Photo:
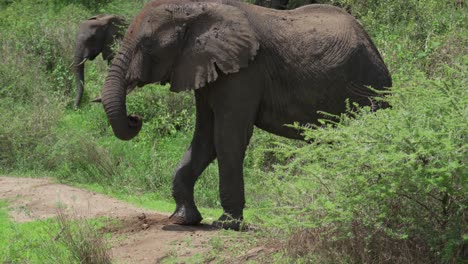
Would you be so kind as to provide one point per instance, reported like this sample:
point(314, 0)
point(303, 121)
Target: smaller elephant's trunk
point(79, 76)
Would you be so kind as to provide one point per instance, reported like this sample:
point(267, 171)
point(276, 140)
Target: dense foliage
point(383, 187)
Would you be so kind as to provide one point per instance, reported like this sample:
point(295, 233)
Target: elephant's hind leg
point(198, 156)
point(232, 135)
point(234, 122)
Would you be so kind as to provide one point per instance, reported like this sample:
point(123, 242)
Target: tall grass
point(64, 239)
point(85, 244)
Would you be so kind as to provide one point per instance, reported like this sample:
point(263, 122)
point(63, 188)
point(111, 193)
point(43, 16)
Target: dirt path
point(143, 237)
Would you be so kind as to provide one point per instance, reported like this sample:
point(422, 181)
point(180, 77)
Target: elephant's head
point(96, 35)
point(187, 43)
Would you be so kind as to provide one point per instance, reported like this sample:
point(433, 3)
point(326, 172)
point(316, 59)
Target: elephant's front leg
point(198, 156)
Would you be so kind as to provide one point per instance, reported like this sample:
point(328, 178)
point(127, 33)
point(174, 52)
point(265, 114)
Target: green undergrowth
point(56, 240)
point(24, 242)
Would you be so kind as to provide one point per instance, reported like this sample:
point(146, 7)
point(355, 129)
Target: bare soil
point(140, 236)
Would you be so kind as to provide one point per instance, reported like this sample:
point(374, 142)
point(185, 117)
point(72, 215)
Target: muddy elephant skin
point(96, 35)
point(248, 66)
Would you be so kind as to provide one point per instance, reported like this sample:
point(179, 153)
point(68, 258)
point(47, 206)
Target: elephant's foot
point(185, 215)
point(227, 221)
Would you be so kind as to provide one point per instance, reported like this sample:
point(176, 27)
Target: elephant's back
point(315, 57)
point(321, 34)
point(316, 41)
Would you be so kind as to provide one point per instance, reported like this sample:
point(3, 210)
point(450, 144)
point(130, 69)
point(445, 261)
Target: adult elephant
point(96, 35)
point(247, 65)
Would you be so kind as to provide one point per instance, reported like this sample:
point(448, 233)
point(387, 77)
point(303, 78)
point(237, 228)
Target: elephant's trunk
point(78, 64)
point(114, 96)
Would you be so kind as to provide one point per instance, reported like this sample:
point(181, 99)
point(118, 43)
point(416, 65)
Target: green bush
point(390, 185)
point(165, 112)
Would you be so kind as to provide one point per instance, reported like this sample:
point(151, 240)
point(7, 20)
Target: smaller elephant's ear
point(113, 30)
point(218, 39)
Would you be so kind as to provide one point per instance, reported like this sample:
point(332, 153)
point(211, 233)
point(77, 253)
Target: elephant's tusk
point(83, 61)
point(97, 100)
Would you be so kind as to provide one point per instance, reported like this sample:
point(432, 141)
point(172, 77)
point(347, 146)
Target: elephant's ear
point(218, 39)
point(113, 31)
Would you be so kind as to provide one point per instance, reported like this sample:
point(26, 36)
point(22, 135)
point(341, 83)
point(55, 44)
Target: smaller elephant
point(96, 35)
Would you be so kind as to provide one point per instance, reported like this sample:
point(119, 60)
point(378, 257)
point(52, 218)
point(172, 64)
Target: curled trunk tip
point(129, 130)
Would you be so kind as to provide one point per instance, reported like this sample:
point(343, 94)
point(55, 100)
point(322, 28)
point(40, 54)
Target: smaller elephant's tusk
point(97, 100)
point(83, 61)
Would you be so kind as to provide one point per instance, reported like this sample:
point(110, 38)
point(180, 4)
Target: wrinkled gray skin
point(248, 66)
point(96, 35)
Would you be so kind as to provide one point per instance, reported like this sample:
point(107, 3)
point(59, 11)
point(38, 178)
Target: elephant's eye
point(146, 47)
point(89, 38)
